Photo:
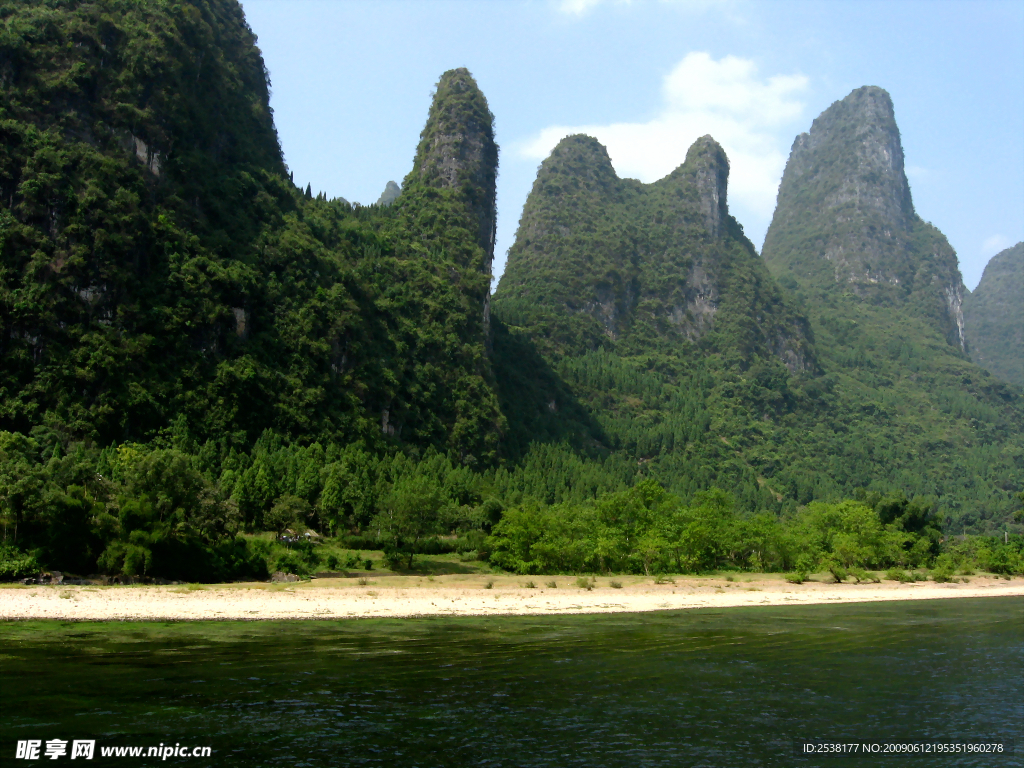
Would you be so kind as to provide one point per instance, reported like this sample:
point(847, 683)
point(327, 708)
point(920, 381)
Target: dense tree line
point(173, 509)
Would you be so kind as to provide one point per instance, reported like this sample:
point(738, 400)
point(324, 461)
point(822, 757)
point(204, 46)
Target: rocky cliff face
point(600, 260)
point(845, 217)
point(994, 316)
point(457, 152)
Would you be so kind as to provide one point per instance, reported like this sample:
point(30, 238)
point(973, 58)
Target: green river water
point(717, 688)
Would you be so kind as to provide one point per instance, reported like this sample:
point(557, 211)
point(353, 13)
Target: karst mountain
point(168, 284)
point(994, 316)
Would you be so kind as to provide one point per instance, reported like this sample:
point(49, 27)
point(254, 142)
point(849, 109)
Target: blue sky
point(352, 82)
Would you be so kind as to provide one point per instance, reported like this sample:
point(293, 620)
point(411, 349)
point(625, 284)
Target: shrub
point(862, 575)
point(943, 569)
point(15, 564)
point(552, 584)
point(796, 578)
point(584, 583)
point(898, 574)
point(489, 584)
point(615, 584)
point(530, 585)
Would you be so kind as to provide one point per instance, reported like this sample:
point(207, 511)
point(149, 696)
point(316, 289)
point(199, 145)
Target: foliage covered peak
point(845, 219)
point(457, 143)
point(457, 154)
point(994, 316)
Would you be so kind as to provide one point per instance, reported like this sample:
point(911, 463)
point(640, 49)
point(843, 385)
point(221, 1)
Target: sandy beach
point(390, 596)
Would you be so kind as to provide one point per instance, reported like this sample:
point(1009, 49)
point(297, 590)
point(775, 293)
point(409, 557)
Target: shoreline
point(389, 596)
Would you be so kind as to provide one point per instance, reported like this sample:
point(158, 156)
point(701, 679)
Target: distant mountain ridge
point(390, 194)
point(994, 316)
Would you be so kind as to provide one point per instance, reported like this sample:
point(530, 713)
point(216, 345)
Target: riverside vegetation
point(197, 351)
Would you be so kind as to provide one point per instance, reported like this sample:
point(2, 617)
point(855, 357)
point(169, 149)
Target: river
point(733, 687)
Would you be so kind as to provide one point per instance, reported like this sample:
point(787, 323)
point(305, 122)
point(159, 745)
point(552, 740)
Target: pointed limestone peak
point(854, 155)
point(573, 181)
point(390, 194)
point(457, 150)
point(707, 161)
point(845, 218)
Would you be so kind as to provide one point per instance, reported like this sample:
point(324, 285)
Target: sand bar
point(403, 596)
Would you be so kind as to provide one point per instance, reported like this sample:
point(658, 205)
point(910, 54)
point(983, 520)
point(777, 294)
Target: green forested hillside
point(195, 351)
point(994, 316)
point(158, 261)
point(657, 314)
point(166, 287)
point(884, 295)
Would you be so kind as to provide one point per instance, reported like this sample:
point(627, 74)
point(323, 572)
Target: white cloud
point(583, 7)
point(995, 244)
point(917, 172)
point(577, 7)
point(748, 115)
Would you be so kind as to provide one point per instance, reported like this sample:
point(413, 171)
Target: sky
point(352, 82)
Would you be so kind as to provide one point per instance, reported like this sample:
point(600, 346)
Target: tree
point(287, 512)
point(410, 511)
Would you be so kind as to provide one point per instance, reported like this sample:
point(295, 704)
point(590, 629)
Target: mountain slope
point(845, 219)
point(655, 311)
point(994, 316)
point(884, 293)
point(158, 261)
point(606, 262)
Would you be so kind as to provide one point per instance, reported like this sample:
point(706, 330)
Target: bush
point(352, 560)
point(15, 564)
point(797, 578)
point(1005, 561)
point(615, 584)
point(943, 569)
point(584, 583)
point(862, 575)
point(898, 574)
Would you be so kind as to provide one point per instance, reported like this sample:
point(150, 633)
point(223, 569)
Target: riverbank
point(392, 596)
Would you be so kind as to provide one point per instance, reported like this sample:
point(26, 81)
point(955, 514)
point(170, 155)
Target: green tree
point(409, 513)
point(287, 512)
